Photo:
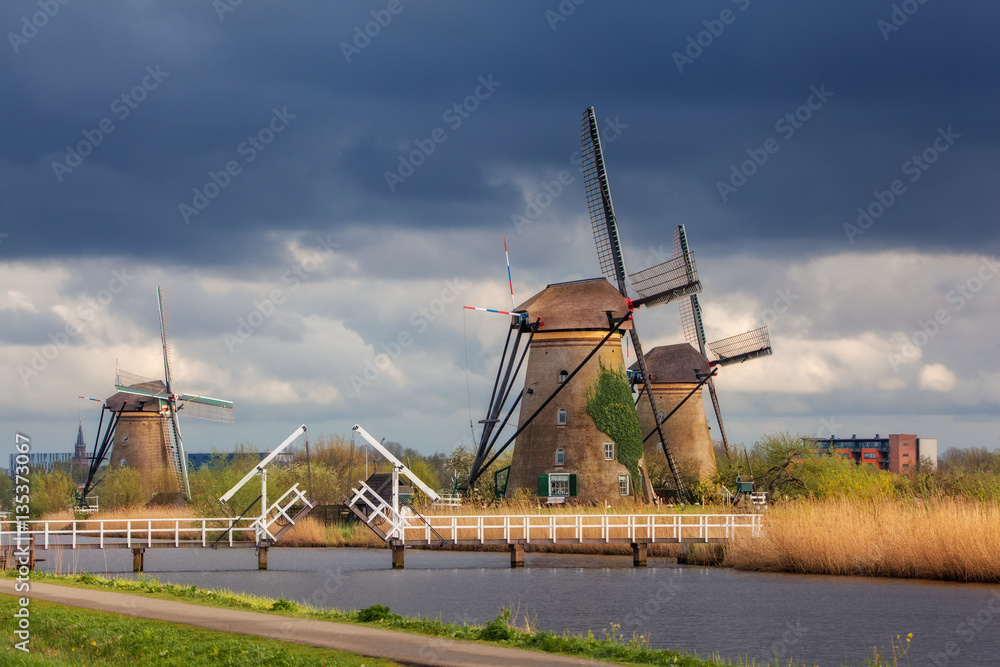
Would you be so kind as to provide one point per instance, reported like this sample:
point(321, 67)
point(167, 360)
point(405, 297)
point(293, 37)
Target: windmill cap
point(577, 305)
point(675, 363)
point(137, 403)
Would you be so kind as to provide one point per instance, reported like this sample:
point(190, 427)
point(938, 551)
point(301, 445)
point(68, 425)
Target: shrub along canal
point(825, 620)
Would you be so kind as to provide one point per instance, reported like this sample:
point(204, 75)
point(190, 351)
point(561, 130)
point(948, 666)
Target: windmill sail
point(609, 254)
point(602, 214)
point(733, 350)
point(742, 347)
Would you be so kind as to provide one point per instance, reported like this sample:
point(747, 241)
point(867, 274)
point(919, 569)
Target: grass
point(946, 539)
point(505, 630)
point(70, 636)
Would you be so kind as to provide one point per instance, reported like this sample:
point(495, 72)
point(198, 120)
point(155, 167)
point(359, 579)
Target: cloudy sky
point(323, 186)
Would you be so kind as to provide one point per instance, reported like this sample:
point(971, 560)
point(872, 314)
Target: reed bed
point(947, 539)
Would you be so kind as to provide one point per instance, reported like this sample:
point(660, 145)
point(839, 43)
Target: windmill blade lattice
point(742, 347)
point(663, 283)
point(609, 254)
point(602, 214)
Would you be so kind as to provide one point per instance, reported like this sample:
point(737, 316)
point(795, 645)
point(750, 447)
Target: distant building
point(41, 460)
point(899, 452)
point(80, 449)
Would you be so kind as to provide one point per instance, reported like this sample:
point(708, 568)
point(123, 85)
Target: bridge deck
point(577, 529)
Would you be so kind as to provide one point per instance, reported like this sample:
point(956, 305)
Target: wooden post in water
point(398, 551)
point(262, 556)
point(639, 554)
point(517, 554)
point(138, 559)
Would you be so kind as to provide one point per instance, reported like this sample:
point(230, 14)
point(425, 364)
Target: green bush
point(121, 488)
point(499, 629)
point(377, 613)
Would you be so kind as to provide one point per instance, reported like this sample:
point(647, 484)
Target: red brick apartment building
point(897, 453)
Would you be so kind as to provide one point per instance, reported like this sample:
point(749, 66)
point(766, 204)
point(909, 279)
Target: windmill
point(671, 280)
point(566, 326)
point(147, 432)
point(733, 350)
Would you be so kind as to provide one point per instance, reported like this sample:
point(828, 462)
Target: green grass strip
point(70, 636)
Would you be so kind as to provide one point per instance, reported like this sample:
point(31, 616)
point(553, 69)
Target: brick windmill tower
point(561, 452)
point(676, 377)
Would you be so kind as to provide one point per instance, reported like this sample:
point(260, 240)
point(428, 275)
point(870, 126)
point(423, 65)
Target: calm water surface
point(821, 620)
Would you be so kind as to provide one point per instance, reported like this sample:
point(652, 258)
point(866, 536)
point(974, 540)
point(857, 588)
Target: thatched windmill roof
point(577, 305)
point(675, 363)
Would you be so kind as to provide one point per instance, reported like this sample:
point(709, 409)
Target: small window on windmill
point(563, 376)
point(609, 451)
point(560, 456)
point(661, 415)
point(623, 484)
point(561, 417)
point(558, 485)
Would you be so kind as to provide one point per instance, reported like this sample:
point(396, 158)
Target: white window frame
point(609, 451)
point(562, 417)
point(624, 482)
point(560, 456)
point(559, 478)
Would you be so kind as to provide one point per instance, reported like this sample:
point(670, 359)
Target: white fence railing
point(581, 528)
point(132, 533)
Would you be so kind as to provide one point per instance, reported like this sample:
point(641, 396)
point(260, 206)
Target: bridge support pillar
point(639, 550)
point(262, 557)
point(398, 551)
point(138, 559)
point(517, 555)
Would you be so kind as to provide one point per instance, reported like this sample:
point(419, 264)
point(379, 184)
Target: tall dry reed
point(950, 539)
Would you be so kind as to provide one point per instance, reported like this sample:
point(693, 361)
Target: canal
point(823, 620)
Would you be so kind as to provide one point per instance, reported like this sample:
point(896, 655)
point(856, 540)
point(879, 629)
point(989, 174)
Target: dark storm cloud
point(353, 120)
